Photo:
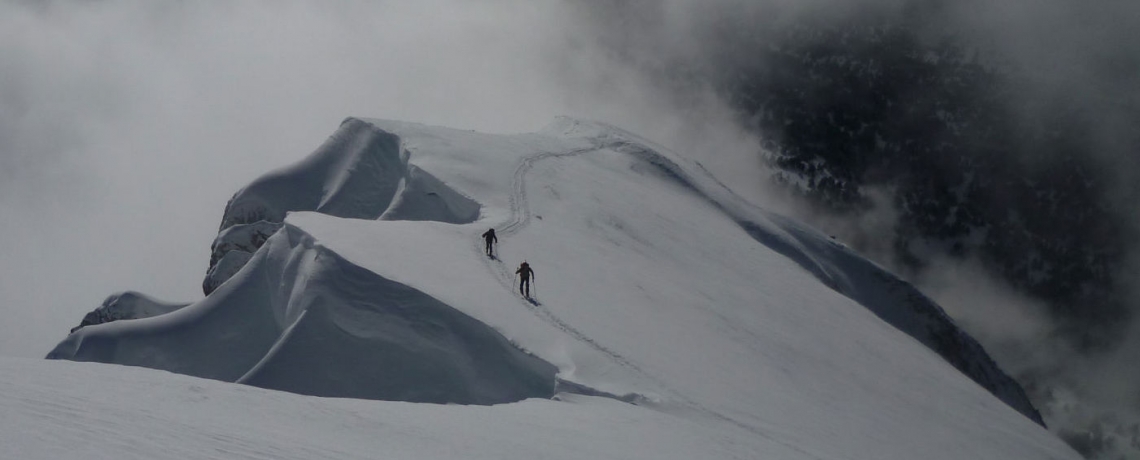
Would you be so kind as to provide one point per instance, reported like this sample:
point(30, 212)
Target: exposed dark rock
point(232, 248)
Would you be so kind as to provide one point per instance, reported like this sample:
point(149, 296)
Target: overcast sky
point(126, 125)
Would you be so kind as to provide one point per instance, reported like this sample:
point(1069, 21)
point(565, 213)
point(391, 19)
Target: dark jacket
point(524, 271)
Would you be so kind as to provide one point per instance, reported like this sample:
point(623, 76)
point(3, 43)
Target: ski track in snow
point(519, 220)
point(520, 217)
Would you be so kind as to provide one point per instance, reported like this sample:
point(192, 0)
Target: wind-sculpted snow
point(426, 198)
point(360, 172)
point(355, 173)
point(655, 286)
point(300, 318)
point(127, 305)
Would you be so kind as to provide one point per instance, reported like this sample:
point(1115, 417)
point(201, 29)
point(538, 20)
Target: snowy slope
point(63, 410)
point(655, 286)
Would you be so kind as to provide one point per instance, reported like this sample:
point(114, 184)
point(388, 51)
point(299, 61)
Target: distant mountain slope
point(931, 134)
point(655, 286)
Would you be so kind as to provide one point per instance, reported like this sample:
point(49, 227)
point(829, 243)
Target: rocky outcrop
point(232, 249)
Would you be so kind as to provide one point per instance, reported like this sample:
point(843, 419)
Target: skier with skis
point(489, 237)
point(525, 274)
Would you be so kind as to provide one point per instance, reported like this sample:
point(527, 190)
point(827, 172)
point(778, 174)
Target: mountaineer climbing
point(489, 237)
point(525, 273)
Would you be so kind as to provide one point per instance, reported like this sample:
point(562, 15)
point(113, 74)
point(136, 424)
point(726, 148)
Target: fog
point(1078, 56)
point(126, 125)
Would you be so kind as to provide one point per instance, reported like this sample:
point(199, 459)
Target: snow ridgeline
point(126, 305)
point(304, 320)
point(657, 286)
point(360, 172)
point(892, 299)
point(300, 318)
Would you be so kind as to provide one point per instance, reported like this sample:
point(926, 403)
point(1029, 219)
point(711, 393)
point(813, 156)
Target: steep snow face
point(359, 172)
point(892, 299)
point(300, 318)
point(654, 285)
point(903, 306)
point(355, 173)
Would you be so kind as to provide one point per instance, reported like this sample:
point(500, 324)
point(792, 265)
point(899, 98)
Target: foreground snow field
point(66, 410)
point(704, 327)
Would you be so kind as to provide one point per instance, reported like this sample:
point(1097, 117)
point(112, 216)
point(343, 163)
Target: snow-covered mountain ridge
point(657, 283)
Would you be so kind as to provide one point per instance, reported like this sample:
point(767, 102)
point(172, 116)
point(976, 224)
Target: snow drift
point(126, 305)
point(655, 285)
point(300, 318)
point(359, 172)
